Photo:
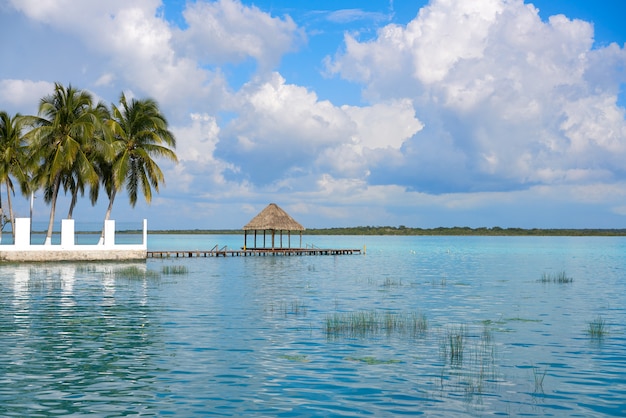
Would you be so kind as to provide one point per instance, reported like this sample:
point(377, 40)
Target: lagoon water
point(249, 335)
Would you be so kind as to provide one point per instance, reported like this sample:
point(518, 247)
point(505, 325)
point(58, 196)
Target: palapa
point(273, 219)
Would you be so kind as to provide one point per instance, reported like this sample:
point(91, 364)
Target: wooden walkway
point(251, 252)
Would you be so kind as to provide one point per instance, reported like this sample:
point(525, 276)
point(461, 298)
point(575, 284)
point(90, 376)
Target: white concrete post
point(145, 233)
point(109, 233)
point(22, 232)
point(67, 233)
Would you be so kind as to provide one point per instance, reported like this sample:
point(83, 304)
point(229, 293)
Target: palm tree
point(13, 153)
point(96, 150)
point(139, 133)
point(67, 122)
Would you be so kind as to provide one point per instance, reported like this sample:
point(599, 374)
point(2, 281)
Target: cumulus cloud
point(24, 94)
point(507, 100)
point(284, 129)
point(225, 31)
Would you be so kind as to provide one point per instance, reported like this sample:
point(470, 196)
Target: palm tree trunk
point(53, 204)
point(72, 204)
point(107, 216)
point(11, 216)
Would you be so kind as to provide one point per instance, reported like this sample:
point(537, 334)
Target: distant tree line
point(406, 231)
point(74, 144)
point(463, 230)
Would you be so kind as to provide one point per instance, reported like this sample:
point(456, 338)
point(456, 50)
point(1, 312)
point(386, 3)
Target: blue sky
point(473, 113)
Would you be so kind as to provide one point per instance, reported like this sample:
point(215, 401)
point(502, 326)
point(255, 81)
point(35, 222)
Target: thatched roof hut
point(273, 219)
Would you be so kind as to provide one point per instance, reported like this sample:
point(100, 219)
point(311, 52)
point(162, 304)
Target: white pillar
point(145, 233)
point(109, 233)
point(22, 232)
point(67, 233)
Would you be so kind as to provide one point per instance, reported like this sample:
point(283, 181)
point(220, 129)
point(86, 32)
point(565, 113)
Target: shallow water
point(247, 335)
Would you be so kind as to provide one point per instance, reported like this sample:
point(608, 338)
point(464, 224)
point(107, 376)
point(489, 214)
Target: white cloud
point(384, 125)
point(199, 170)
point(24, 94)
point(197, 141)
point(227, 31)
point(351, 15)
point(288, 125)
point(516, 99)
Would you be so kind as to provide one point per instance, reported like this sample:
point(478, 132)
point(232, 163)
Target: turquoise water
point(248, 335)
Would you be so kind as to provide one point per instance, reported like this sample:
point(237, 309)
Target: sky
point(476, 113)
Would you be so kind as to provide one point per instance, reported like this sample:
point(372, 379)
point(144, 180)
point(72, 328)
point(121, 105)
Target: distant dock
point(252, 252)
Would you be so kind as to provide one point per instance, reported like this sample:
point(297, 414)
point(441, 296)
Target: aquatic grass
point(300, 358)
point(364, 323)
point(559, 278)
point(389, 282)
point(372, 360)
point(519, 319)
point(173, 270)
point(597, 327)
point(442, 282)
point(295, 307)
point(85, 268)
point(135, 273)
point(539, 377)
point(454, 344)
point(470, 360)
point(487, 334)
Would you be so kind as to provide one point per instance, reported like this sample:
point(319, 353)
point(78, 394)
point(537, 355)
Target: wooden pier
point(251, 252)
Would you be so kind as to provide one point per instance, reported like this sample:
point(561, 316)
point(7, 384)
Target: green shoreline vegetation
point(406, 231)
point(398, 231)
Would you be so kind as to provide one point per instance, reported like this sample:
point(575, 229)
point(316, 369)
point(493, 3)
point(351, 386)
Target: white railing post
point(109, 233)
point(22, 232)
point(67, 233)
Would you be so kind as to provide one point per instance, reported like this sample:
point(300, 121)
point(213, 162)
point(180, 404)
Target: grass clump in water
point(597, 328)
point(300, 358)
point(172, 270)
point(364, 323)
point(453, 344)
point(539, 376)
point(135, 273)
point(372, 360)
point(560, 278)
point(296, 307)
point(470, 360)
point(389, 282)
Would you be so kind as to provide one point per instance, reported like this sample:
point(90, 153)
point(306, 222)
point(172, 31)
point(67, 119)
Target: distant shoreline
point(397, 231)
point(406, 231)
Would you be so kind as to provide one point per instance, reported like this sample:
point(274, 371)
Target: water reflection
point(77, 339)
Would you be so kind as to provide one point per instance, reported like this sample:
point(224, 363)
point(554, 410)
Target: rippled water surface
point(440, 326)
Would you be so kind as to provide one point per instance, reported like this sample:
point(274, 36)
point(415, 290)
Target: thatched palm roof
point(273, 218)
